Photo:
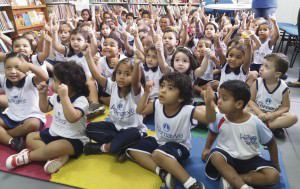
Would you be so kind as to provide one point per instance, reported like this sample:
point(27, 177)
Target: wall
point(287, 11)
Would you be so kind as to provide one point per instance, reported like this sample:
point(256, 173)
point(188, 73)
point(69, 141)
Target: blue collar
point(236, 71)
point(20, 84)
point(146, 68)
point(71, 53)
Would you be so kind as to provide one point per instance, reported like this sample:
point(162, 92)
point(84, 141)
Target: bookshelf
point(28, 15)
point(6, 26)
point(63, 9)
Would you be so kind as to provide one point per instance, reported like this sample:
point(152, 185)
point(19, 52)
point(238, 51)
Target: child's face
point(181, 62)
point(268, 70)
point(226, 102)
point(226, 29)
point(146, 16)
point(200, 48)
point(22, 46)
point(105, 30)
point(235, 58)
point(123, 75)
point(164, 23)
point(147, 42)
point(64, 33)
point(110, 48)
point(129, 20)
point(263, 31)
point(209, 31)
point(151, 59)
point(192, 29)
point(12, 73)
point(168, 93)
point(169, 40)
point(31, 39)
point(85, 15)
point(77, 42)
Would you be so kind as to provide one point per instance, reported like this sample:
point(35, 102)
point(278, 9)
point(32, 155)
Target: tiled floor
point(289, 147)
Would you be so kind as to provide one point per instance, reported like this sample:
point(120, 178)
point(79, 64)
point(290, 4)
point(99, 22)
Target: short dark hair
point(73, 76)
point(182, 82)
point(238, 89)
point(19, 38)
point(130, 14)
point(280, 61)
point(10, 55)
point(146, 12)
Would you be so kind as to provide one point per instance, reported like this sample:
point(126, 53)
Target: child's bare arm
point(272, 147)
point(43, 100)
point(163, 66)
point(144, 107)
point(211, 137)
point(275, 33)
point(136, 76)
point(252, 103)
point(46, 49)
point(248, 55)
point(56, 44)
point(201, 70)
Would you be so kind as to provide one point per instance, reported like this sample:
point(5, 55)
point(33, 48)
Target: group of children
point(150, 67)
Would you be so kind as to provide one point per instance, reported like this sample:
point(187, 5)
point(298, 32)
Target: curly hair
point(72, 75)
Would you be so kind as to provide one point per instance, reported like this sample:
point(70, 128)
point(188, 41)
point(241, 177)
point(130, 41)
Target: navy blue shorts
point(241, 166)
point(172, 149)
point(76, 143)
point(13, 124)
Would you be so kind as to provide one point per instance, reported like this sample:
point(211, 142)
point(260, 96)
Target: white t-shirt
point(240, 140)
point(106, 70)
point(269, 101)
point(123, 110)
point(260, 53)
point(23, 100)
point(60, 125)
point(176, 128)
point(35, 61)
point(242, 76)
point(154, 76)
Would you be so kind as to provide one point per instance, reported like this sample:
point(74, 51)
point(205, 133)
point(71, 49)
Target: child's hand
point(205, 154)
point(262, 117)
point(86, 50)
point(247, 41)
point(62, 90)
point(42, 87)
point(158, 42)
point(207, 52)
point(139, 57)
point(23, 66)
point(149, 86)
point(47, 38)
point(209, 95)
point(270, 116)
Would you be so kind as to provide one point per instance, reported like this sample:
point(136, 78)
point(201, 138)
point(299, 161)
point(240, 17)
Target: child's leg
point(226, 170)
point(52, 150)
point(4, 136)
point(34, 141)
point(284, 121)
point(29, 125)
point(171, 165)
point(263, 177)
point(143, 159)
point(3, 101)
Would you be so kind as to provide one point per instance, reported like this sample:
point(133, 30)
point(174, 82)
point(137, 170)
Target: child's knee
point(294, 119)
point(272, 177)
point(31, 136)
point(157, 157)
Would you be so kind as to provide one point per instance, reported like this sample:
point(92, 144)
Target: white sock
point(102, 148)
point(189, 182)
point(157, 170)
point(245, 186)
point(9, 142)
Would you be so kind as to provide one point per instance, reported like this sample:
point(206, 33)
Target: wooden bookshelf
point(63, 9)
point(6, 25)
point(27, 17)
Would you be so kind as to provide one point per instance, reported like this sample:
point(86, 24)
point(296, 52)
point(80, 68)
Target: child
point(239, 134)
point(172, 114)
point(66, 136)
point(126, 126)
point(170, 41)
point(64, 36)
point(23, 114)
point(268, 34)
point(270, 95)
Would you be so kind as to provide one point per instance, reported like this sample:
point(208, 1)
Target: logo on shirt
point(120, 106)
point(248, 139)
point(166, 127)
point(16, 100)
point(268, 101)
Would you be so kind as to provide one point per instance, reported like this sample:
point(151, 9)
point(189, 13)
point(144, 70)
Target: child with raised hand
point(171, 146)
point(23, 114)
point(270, 95)
point(125, 125)
point(236, 155)
point(170, 41)
point(66, 136)
point(268, 33)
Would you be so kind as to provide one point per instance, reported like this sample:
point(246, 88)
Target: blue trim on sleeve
point(82, 112)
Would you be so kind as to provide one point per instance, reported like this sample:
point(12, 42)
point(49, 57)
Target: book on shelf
point(62, 11)
point(4, 2)
point(5, 22)
point(26, 18)
point(19, 20)
point(29, 18)
point(26, 2)
point(3, 47)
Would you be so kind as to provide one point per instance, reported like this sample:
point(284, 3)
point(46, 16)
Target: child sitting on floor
point(270, 95)
point(66, 136)
point(236, 155)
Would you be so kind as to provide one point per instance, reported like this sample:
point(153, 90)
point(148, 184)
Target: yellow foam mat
point(103, 171)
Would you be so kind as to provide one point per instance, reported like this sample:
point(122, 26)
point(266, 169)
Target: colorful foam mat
point(103, 171)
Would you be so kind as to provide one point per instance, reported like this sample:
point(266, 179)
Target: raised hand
point(42, 87)
point(149, 86)
point(62, 90)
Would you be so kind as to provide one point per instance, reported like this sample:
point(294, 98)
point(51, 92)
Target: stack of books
point(62, 11)
point(29, 18)
point(5, 23)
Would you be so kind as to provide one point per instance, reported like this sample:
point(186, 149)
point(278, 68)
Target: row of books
point(29, 18)
point(5, 23)
point(146, 1)
point(3, 47)
point(4, 2)
point(26, 2)
point(62, 11)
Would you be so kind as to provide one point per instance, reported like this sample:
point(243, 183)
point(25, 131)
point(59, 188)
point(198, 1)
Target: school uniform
point(259, 55)
point(238, 144)
point(228, 73)
point(153, 74)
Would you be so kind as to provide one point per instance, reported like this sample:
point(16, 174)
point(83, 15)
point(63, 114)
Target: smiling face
point(181, 62)
point(209, 31)
point(110, 48)
point(12, 72)
point(22, 46)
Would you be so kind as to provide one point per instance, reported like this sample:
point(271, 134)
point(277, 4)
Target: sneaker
point(52, 166)
point(167, 178)
point(19, 159)
point(279, 133)
point(224, 184)
point(17, 144)
point(197, 185)
point(92, 148)
point(95, 110)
